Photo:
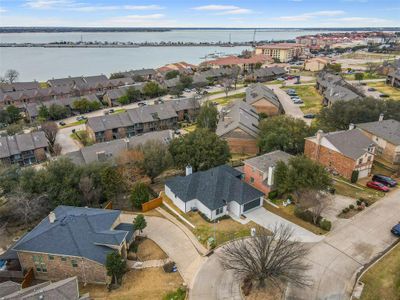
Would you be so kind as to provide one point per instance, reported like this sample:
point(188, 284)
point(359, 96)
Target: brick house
point(74, 241)
point(386, 135)
point(259, 171)
point(342, 151)
point(24, 149)
point(263, 99)
point(238, 125)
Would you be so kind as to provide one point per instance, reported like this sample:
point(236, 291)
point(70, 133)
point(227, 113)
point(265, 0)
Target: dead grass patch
point(149, 250)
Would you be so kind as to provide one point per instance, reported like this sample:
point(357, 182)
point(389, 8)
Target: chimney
point(101, 156)
point(319, 136)
point(127, 143)
point(351, 126)
point(189, 170)
point(381, 117)
point(271, 170)
point(52, 217)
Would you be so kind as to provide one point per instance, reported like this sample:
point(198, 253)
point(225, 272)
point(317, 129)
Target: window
point(63, 258)
point(51, 257)
point(219, 211)
point(40, 266)
point(369, 158)
point(251, 180)
point(360, 161)
point(74, 263)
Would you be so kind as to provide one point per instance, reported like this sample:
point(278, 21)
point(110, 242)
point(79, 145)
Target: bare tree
point(11, 75)
point(275, 257)
point(89, 192)
point(316, 202)
point(27, 207)
point(227, 85)
point(50, 130)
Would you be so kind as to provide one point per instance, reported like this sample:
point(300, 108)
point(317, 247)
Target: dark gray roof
point(143, 72)
point(263, 162)
point(213, 187)
point(66, 289)
point(8, 287)
point(241, 115)
point(19, 86)
point(185, 104)
point(351, 143)
point(267, 72)
point(388, 130)
point(340, 93)
point(15, 144)
point(113, 149)
point(259, 91)
point(77, 231)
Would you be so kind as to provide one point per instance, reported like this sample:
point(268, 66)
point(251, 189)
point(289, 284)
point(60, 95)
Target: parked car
point(396, 230)
point(384, 96)
point(280, 79)
point(81, 118)
point(371, 89)
point(309, 116)
point(141, 104)
point(377, 186)
point(386, 180)
point(111, 110)
point(298, 101)
point(62, 123)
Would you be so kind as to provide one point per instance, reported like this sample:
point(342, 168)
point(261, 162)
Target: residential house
point(113, 149)
point(386, 135)
point(74, 241)
point(111, 96)
point(66, 289)
point(316, 64)
point(216, 192)
point(259, 171)
point(132, 122)
point(245, 64)
point(282, 52)
point(24, 149)
point(263, 100)
point(182, 67)
point(266, 74)
point(393, 78)
point(146, 74)
point(342, 152)
point(238, 125)
point(19, 86)
point(187, 109)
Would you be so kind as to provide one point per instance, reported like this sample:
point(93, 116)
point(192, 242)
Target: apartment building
point(282, 52)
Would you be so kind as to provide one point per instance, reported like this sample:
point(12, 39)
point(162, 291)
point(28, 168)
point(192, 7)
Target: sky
point(191, 13)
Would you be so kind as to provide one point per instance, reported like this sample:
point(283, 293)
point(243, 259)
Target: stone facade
point(61, 267)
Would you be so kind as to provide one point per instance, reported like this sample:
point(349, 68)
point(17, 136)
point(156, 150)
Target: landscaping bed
point(146, 249)
point(149, 284)
point(382, 281)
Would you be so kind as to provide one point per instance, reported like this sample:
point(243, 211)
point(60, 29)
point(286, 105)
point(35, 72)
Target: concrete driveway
point(67, 143)
point(174, 242)
point(335, 260)
point(268, 220)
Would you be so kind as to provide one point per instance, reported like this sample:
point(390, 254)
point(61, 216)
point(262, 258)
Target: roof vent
point(52, 217)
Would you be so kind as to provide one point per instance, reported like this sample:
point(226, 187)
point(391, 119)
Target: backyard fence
point(28, 278)
point(108, 205)
point(152, 204)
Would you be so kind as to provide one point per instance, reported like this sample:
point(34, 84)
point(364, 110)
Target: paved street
point(268, 220)
point(174, 242)
point(67, 143)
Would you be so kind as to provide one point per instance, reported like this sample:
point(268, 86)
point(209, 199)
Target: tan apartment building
point(316, 64)
point(283, 52)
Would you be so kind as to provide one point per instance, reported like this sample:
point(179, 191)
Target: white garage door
point(363, 173)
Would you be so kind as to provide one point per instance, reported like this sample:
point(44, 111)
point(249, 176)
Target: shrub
point(359, 202)
point(305, 215)
point(179, 294)
point(345, 210)
point(325, 225)
point(351, 206)
point(360, 207)
point(354, 176)
point(272, 195)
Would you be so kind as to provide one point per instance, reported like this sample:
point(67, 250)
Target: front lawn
point(309, 94)
point(363, 192)
point(392, 92)
point(151, 284)
point(74, 124)
point(382, 281)
point(223, 101)
point(288, 214)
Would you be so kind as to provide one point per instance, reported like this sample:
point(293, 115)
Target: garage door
point(363, 173)
point(251, 204)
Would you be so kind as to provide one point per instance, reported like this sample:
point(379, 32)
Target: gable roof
point(351, 143)
point(77, 231)
point(214, 187)
point(263, 162)
point(15, 144)
point(241, 115)
point(388, 130)
point(258, 91)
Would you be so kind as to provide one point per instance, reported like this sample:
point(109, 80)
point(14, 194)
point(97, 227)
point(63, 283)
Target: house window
point(44, 268)
point(51, 257)
point(360, 161)
point(63, 258)
point(369, 158)
point(251, 180)
point(219, 211)
point(74, 263)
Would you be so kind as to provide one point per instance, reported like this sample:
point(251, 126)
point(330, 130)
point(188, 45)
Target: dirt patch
point(149, 250)
point(149, 284)
point(270, 292)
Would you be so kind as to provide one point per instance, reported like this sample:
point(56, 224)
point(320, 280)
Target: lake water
point(45, 63)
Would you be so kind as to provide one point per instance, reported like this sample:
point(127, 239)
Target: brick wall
point(257, 176)
point(264, 106)
point(57, 269)
point(237, 145)
point(329, 158)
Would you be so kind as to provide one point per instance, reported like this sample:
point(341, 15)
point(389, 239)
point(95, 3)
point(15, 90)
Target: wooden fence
point(108, 205)
point(152, 204)
point(29, 276)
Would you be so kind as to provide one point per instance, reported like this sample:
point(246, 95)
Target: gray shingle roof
point(8, 287)
point(263, 162)
point(77, 231)
point(114, 148)
point(241, 115)
point(213, 187)
point(388, 130)
point(15, 144)
point(258, 91)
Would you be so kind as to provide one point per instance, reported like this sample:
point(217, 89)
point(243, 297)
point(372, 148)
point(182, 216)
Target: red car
point(377, 186)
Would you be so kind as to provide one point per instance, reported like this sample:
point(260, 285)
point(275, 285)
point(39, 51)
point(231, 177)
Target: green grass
point(82, 137)
point(382, 281)
point(118, 111)
point(392, 92)
point(352, 192)
point(179, 294)
point(309, 94)
point(366, 76)
point(226, 100)
point(190, 128)
point(74, 124)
